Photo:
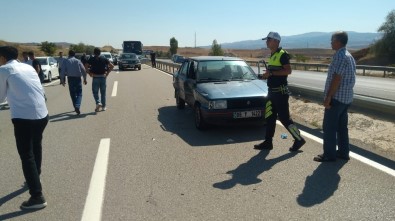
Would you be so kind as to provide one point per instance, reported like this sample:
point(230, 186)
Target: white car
point(49, 65)
point(108, 56)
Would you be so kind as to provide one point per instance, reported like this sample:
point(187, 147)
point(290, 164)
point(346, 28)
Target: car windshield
point(43, 61)
point(107, 55)
point(224, 71)
point(128, 56)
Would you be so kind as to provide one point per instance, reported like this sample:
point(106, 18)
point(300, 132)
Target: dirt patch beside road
point(372, 133)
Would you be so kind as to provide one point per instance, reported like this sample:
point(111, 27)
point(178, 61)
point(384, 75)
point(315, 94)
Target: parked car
point(143, 59)
point(128, 60)
point(108, 56)
point(49, 65)
point(221, 90)
point(178, 58)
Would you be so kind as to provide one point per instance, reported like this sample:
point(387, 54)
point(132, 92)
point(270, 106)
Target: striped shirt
point(342, 64)
point(72, 67)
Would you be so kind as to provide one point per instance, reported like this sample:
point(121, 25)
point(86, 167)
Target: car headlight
point(218, 104)
point(44, 70)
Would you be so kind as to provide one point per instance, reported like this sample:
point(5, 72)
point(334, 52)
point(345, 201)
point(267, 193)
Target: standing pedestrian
point(37, 66)
point(25, 95)
point(74, 70)
point(153, 59)
point(277, 105)
point(60, 62)
point(338, 95)
point(84, 59)
point(26, 59)
point(99, 68)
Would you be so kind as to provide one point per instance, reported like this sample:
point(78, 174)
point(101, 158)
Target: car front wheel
point(199, 121)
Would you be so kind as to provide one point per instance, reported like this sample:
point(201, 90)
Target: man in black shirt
point(37, 66)
point(99, 68)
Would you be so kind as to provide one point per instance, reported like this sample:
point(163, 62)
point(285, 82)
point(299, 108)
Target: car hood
point(232, 89)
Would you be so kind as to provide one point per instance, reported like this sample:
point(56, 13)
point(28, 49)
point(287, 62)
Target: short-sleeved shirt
point(98, 65)
point(342, 64)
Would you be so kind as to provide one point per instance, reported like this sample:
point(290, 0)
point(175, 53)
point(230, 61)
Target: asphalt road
point(159, 167)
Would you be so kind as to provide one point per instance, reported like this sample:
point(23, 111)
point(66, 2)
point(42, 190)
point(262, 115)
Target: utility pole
point(195, 39)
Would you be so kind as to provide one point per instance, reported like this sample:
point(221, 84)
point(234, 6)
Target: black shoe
point(34, 203)
point(265, 145)
point(322, 158)
point(77, 110)
point(297, 145)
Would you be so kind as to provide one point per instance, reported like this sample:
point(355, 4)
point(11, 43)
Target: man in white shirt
point(20, 84)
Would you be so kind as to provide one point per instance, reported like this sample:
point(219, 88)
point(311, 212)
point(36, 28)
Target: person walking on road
point(60, 62)
point(21, 86)
point(338, 95)
point(153, 59)
point(277, 105)
point(99, 68)
point(74, 70)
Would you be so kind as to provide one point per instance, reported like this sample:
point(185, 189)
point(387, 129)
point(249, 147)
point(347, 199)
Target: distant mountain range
point(356, 40)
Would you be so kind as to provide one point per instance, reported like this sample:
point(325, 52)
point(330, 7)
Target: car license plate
point(247, 114)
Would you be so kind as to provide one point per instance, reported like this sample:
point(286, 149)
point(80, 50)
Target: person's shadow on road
point(247, 173)
point(9, 197)
point(68, 116)
point(322, 184)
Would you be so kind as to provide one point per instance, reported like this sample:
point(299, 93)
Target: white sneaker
point(104, 108)
point(98, 106)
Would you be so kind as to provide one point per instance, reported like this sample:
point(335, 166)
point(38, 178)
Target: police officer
point(277, 105)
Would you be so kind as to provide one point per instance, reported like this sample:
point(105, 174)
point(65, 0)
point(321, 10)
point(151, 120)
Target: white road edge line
point(94, 200)
point(352, 154)
point(114, 89)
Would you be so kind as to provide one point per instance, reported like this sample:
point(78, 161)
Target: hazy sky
point(99, 22)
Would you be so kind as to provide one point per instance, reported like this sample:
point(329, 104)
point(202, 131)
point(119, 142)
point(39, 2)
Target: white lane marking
point(114, 89)
point(94, 200)
point(352, 154)
point(51, 83)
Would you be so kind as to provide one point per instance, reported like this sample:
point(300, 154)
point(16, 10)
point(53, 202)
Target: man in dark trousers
point(99, 68)
point(74, 70)
point(21, 86)
point(153, 59)
point(277, 106)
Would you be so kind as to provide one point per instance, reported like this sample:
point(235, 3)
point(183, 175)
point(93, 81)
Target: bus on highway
point(133, 47)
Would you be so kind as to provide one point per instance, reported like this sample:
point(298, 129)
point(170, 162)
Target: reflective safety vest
point(274, 61)
point(274, 65)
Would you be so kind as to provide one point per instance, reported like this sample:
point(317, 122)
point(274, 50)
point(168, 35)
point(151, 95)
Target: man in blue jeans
point(20, 84)
point(99, 68)
point(74, 70)
point(338, 95)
